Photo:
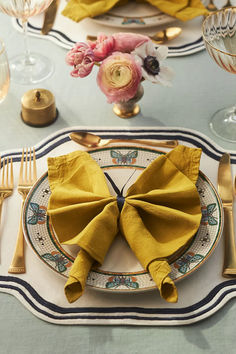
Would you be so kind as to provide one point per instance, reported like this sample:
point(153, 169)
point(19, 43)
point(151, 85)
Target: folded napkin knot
point(120, 202)
point(158, 216)
point(120, 199)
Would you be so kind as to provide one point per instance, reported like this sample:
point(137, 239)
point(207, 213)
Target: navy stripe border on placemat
point(65, 40)
point(151, 134)
point(53, 311)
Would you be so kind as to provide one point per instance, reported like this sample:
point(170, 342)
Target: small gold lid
point(38, 108)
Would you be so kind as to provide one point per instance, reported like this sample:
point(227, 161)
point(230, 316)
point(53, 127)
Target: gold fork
point(6, 186)
point(26, 180)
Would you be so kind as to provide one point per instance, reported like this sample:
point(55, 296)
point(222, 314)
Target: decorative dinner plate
point(134, 15)
point(120, 271)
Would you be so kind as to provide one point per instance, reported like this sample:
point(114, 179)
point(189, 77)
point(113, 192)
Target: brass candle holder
point(38, 108)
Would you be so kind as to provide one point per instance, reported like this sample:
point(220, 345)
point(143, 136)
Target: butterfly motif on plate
point(124, 159)
point(183, 264)
point(61, 263)
point(207, 215)
point(38, 214)
point(119, 280)
point(128, 21)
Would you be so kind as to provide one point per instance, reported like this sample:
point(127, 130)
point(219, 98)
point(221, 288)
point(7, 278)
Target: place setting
point(94, 276)
point(181, 31)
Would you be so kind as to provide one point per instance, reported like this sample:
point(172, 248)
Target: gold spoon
point(166, 35)
point(235, 185)
point(160, 37)
point(92, 141)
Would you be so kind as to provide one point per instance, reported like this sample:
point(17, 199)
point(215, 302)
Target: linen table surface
point(200, 88)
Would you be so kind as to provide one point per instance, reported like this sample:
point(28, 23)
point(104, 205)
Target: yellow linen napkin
point(159, 215)
point(184, 10)
point(77, 10)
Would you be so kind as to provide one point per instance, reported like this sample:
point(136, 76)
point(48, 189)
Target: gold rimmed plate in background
point(134, 15)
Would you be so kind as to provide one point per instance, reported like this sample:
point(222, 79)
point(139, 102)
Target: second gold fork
point(27, 177)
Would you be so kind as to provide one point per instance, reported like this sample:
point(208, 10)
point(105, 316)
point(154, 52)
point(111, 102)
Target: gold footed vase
point(130, 108)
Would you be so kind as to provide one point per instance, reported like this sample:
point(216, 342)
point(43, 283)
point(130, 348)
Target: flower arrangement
point(124, 60)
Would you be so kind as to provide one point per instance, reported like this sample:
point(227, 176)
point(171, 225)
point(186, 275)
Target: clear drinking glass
point(219, 34)
point(4, 73)
point(27, 68)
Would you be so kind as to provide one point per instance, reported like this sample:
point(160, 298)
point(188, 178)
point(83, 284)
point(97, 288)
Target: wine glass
point(27, 68)
point(219, 34)
point(4, 73)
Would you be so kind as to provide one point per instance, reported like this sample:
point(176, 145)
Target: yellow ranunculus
point(119, 77)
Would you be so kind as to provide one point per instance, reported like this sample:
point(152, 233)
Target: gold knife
point(225, 188)
point(49, 16)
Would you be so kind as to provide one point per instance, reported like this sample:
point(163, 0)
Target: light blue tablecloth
point(200, 88)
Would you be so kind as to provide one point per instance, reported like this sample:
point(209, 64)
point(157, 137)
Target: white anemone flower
point(150, 58)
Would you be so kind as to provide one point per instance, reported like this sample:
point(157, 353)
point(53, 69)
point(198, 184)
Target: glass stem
point(28, 60)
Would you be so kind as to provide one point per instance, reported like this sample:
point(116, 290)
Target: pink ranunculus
point(119, 76)
point(76, 54)
point(103, 47)
point(82, 58)
point(83, 69)
point(127, 42)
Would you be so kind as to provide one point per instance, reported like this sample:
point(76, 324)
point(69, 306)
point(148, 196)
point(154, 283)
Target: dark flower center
point(151, 65)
